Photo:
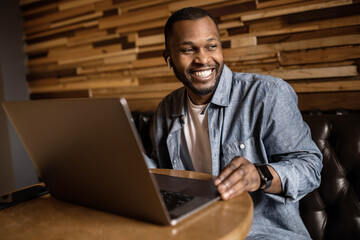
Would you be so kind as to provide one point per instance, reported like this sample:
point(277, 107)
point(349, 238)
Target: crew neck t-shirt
point(195, 142)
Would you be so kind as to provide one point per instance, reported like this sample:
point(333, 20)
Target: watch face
point(265, 172)
point(266, 177)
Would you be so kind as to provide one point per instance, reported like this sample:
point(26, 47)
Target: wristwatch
point(265, 177)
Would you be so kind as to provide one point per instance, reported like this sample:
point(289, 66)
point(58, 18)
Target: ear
point(167, 58)
point(168, 62)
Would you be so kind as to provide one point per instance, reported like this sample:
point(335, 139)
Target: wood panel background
point(113, 48)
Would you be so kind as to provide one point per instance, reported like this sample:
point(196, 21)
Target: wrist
point(265, 177)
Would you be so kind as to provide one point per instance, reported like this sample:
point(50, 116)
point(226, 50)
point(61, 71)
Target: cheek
point(219, 58)
point(182, 63)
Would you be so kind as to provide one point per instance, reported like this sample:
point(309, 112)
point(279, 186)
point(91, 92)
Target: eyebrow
point(191, 42)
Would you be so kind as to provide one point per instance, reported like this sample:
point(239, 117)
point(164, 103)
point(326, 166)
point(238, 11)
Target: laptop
point(88, 152)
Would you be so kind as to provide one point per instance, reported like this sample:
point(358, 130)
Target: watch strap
point(265, 177)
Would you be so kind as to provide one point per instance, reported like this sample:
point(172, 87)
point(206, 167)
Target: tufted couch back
point(333, 210)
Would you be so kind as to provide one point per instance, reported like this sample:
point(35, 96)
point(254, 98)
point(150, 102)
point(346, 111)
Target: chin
point(203, 90)
point(199, 89)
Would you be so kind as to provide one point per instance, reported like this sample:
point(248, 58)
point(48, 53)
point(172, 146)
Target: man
point(244, 128)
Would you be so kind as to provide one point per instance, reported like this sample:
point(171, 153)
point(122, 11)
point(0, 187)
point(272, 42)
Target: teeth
point(203, 74)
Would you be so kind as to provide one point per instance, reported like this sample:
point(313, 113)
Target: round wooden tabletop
point(49, 218)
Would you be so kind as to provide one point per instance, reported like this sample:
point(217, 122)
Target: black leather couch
point(333, 210)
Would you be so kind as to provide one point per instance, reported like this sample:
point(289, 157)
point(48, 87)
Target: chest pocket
point(250, 149)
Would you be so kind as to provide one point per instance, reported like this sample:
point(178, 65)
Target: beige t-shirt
point(196, 139)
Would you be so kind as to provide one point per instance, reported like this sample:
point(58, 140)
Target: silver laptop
point(88, 152)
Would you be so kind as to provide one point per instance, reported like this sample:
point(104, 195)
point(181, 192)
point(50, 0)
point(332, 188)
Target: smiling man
point(243, 128)
point(196, 56)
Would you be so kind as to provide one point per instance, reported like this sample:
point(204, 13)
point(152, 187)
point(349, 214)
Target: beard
point(186, 80)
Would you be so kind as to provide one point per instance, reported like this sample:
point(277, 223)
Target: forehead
point(194, 30)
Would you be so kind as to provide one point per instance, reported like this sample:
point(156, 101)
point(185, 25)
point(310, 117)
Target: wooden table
point(49, 218)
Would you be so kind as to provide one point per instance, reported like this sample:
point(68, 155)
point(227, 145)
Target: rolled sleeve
point(292, 153)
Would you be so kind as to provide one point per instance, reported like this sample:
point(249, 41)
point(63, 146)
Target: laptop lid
point(88, 152)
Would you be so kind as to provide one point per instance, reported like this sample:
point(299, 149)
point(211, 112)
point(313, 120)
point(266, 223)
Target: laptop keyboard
point(174, 199)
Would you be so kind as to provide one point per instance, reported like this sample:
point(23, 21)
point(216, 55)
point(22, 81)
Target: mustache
point(195, 68)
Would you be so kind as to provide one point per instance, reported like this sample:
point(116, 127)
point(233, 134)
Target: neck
point(199, 99)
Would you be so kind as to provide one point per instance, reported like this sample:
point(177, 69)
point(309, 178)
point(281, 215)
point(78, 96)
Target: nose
point(202, 57)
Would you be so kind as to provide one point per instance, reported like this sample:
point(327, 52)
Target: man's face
point(196, 55)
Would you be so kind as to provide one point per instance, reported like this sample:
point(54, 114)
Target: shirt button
point(242, 146)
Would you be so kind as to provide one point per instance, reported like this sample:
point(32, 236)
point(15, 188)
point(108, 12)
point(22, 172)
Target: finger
point(227, 171)
point(236, 176)
point(237, 189)
point(233, 178)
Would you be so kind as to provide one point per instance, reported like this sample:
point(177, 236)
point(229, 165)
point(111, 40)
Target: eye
point(187, 50)
point(212, 47)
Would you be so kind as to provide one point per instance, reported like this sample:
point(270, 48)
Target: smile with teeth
point(203, 74)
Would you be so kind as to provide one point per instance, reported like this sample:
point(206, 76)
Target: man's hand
point(240, 176)
point(237, 177)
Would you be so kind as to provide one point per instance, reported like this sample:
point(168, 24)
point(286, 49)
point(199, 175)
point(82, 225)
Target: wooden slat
point(128, 6)
point(270, 50)
point(120, 60)
point(153, 48)
point(319, 43)
point(157, 80)
point(59, 16)
point(311, 73)
point(65, 51)
point(329, 101)
point(106, 5)
point(149, 62)
point(140, 98)
point(160, 71)
point(128, 19)
point(199, 3)
point(76, 20)
point(151, 40)
point(273, 3)
point(146, 25)
point(155, 71)
point(40, 9)
point(90, 38)
point(231, 24)
point(83, 85)
point(106, 68)
point(268, 30)
point(74, 4)
point(45, 45)
point(47, 32)
point(330, 86)
point(63, 94)
point(335, 54)
point(287, 9)
point(137, 89)
point(249, 53)
point(243, 42)
point(144, 104)
point(98, 56)
point(272, 64)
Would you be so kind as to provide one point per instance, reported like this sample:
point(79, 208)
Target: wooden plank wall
point(112, 48)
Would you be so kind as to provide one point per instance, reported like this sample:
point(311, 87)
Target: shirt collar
point(179, 109)
point(222, 93)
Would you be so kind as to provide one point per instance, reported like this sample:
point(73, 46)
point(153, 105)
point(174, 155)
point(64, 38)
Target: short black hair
point(190, 13)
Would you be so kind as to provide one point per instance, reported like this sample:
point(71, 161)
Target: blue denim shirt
point(257, 117)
